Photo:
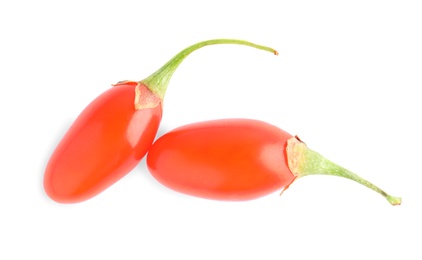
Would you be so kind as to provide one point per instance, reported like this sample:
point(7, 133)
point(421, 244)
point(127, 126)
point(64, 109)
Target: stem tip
point(395, 201)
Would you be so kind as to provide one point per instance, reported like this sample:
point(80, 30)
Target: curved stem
point(304, 161)
point(158, 81)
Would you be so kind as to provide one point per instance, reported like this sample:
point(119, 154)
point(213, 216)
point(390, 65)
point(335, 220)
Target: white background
point(347, 81)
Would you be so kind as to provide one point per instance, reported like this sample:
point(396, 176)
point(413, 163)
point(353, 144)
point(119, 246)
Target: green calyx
point(303, 161)
point(159, 80)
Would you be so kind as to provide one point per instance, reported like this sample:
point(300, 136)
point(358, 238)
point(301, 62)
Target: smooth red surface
point(105, 142)
point(230, 159)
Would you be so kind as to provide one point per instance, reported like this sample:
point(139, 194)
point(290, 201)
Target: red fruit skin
point(106, 141)
point(229, 159)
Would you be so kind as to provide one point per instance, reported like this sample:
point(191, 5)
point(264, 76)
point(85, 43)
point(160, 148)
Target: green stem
point(159, 80)
point(304, 161)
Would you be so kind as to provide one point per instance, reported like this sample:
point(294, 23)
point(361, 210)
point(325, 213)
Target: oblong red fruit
point(232, 159)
